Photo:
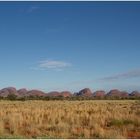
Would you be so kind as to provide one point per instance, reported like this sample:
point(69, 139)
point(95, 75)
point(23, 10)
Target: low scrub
point(117, 122)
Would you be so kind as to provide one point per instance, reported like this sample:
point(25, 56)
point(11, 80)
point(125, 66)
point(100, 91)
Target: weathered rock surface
point(114, 93)
point(135, 94)
point(66, 94)
point(99, 93)
point(36, 93)
point(124, 94)
point(8, 91)
point(84, 92)
point(22, 92)
point(53, 94)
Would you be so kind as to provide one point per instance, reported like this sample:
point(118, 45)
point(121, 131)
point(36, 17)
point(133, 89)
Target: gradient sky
point(70, 45)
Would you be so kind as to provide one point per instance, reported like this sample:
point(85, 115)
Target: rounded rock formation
point(53, 94)
point(99, 93)
point(114, 93)
point(124, 94)
point(23, 92)
point(66, 94)
point(36, 93)
point(84, 92)
point(8, 91)
point(135, 94)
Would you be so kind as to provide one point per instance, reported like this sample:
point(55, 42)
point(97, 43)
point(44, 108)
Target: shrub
point(11, 97)
point(115, 122)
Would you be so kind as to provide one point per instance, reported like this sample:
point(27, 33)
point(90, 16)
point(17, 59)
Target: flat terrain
point(70, 119)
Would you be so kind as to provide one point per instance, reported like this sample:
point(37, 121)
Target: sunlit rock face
point(53, 94)
point(36, 93)
point(114, 93)
point(66, 94)
point(23, 92)
point(99, 93)
point(8, 91)
point(57, 94)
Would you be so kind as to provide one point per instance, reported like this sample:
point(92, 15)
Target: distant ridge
point(86, 92)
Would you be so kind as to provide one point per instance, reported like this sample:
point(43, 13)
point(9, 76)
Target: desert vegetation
point(70, 119)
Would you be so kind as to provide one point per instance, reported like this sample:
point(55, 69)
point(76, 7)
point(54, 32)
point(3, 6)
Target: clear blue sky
point(70, 45)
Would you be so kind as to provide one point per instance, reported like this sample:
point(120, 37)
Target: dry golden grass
point(70, 119)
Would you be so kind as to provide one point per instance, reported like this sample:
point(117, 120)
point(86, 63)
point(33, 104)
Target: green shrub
point(115, 122)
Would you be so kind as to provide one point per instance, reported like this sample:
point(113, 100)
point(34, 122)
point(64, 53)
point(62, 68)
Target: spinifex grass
point(69, 119)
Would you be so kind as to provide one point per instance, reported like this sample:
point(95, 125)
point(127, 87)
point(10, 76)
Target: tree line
point(13, 97)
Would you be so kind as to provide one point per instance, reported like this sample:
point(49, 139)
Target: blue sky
point(70, 45)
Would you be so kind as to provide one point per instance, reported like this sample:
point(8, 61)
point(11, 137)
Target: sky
point(70, 45)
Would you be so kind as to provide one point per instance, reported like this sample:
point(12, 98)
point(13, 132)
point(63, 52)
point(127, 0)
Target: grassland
point(70, 119)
